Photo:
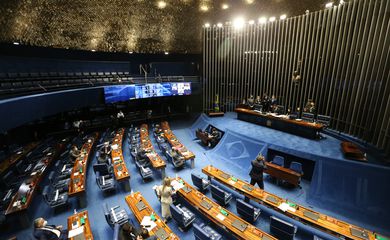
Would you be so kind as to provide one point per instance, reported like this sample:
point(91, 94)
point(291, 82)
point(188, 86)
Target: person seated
point(144, 234)
point(74, 153)
point(48, 232)
point(251, 101)
point(105, 152)
point(214, 138)
point(265, 101)
point(142, 154)
point(127, 232)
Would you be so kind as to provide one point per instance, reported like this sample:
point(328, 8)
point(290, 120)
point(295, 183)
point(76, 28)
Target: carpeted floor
point(231, 155)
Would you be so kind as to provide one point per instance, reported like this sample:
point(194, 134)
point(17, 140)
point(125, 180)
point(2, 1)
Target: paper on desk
point(220, 217)
point(116, 158)
point(284, 207)
point(75, 232)
point(176, 185)
point(232, 182)
point(146, 221)
point(114, 147)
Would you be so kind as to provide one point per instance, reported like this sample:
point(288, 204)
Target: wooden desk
point(14, 158)
point(215, 114)
point(133, 199)
point(195, 198)
point(20, 203)
point(301, 128)
point(283, 173)
point(79, 171)
point(118, 163)
point(176, 144)
point(352, 151)
point(80, 219)
point(317, 220)
point(146, 144)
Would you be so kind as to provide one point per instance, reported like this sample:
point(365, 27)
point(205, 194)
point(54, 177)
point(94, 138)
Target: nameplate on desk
point(186, 189)
point(140, 206)
point(224, 175)
point(205, 204)
point(161, 234)
point(311, 215)
point(272, 199)
point(239, 225)
point(359, 233)
point(246, 187)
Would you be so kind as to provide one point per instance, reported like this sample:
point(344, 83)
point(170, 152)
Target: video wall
point(121, 93)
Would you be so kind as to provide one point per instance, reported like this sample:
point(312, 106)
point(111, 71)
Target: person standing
point(256, 173)
point(165, 193)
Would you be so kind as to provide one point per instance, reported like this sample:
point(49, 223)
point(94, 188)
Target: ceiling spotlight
point(238, 23)
point(161, 4)
point(219, 25)
point(93, 50)
point(207, 25)
point(329, 5)
point(16, 43)
point(131, 52)
point(204, 8)
point(251, 22)
point(272, 19)
point(166, 53)
point(282, 17)
point(249, 1)
point(262, 20)
point(225, 6)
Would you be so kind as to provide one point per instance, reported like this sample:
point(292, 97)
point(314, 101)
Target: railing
point(17, 84)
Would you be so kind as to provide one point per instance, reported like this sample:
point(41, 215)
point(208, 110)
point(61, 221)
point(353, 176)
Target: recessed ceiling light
point(166, 53)
point(271, 19)
point(262, 20)
point(249, 1)
point(282, 17)
point(219, 25)
point(161, 4)
point(207, 25)
point(16, 43)
point(204, 8)
point(251, 22)
point(225, 6)
point(238, 23)
point(329, 5)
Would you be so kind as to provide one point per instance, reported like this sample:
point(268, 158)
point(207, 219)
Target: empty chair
point(282, 229)
point(204, 232)
point(23, 168)
point(246, 210)
point(56, 198)
point(308, 117)
point(201, 183)
point(58, 181)
point(115, 215)
point(296, 167)
point(104, 178)
point(324, 120)
point(220, 195)
point(182, 216)
point(278, 160)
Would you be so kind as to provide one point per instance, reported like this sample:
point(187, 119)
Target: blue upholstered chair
point(296, 167)
point(104, 178)
point(201, 183)
point(282, 229)
point(182, 216)
point(115, 215)
point(278, 160)
point(246, 210)
point(316, 238)
point(58, 181)
point(204, 232)
point(220, 195)
point(55, 198)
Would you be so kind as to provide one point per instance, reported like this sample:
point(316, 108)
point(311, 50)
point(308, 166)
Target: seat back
point(200, 234)
point(197, 180)
point(296, 166)
point(323, 119)
point(245, 209)
point(45, 194)
point(177, 214)
point(308, 117)
point(52, 177)
point(218, 193)
point(102, 168)
point(282, 229)
point(278, 160)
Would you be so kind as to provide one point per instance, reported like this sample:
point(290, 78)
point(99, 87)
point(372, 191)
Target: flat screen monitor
point(119, 93)
point(182, 88)
point(152, 90)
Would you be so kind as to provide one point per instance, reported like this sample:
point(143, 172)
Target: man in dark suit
point(42, 231)
point(256, 173)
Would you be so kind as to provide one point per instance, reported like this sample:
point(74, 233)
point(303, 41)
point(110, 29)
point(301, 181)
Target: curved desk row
point(118, 163)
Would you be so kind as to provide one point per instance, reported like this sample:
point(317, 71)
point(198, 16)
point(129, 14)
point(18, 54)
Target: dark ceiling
point(145, 26)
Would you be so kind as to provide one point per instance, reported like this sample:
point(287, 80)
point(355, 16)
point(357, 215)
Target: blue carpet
point(241, 142)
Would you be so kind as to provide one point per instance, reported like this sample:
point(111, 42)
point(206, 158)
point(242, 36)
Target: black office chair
point(308, 117)
point(324, 120)
point(104, 178)
point(56, 198)
point(201, 183)
point(204, 232)
point(58, 181)
point(282, 229)
point(220, 195)
point(248, 211)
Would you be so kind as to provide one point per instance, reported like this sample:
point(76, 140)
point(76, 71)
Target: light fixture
point(249, 1)
point(282, 17)
point(262, 20)
point(161, 4)
point(225, 6)
point(204, 8)
point(219, 25)
point(342, 2)
point(16, 43)
point(93, 50)
point(329, 5)
point(238, 23)
point(131, 52)
point(207, 25)
point(166, 53)
point(251, 22)
point(272, 19)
